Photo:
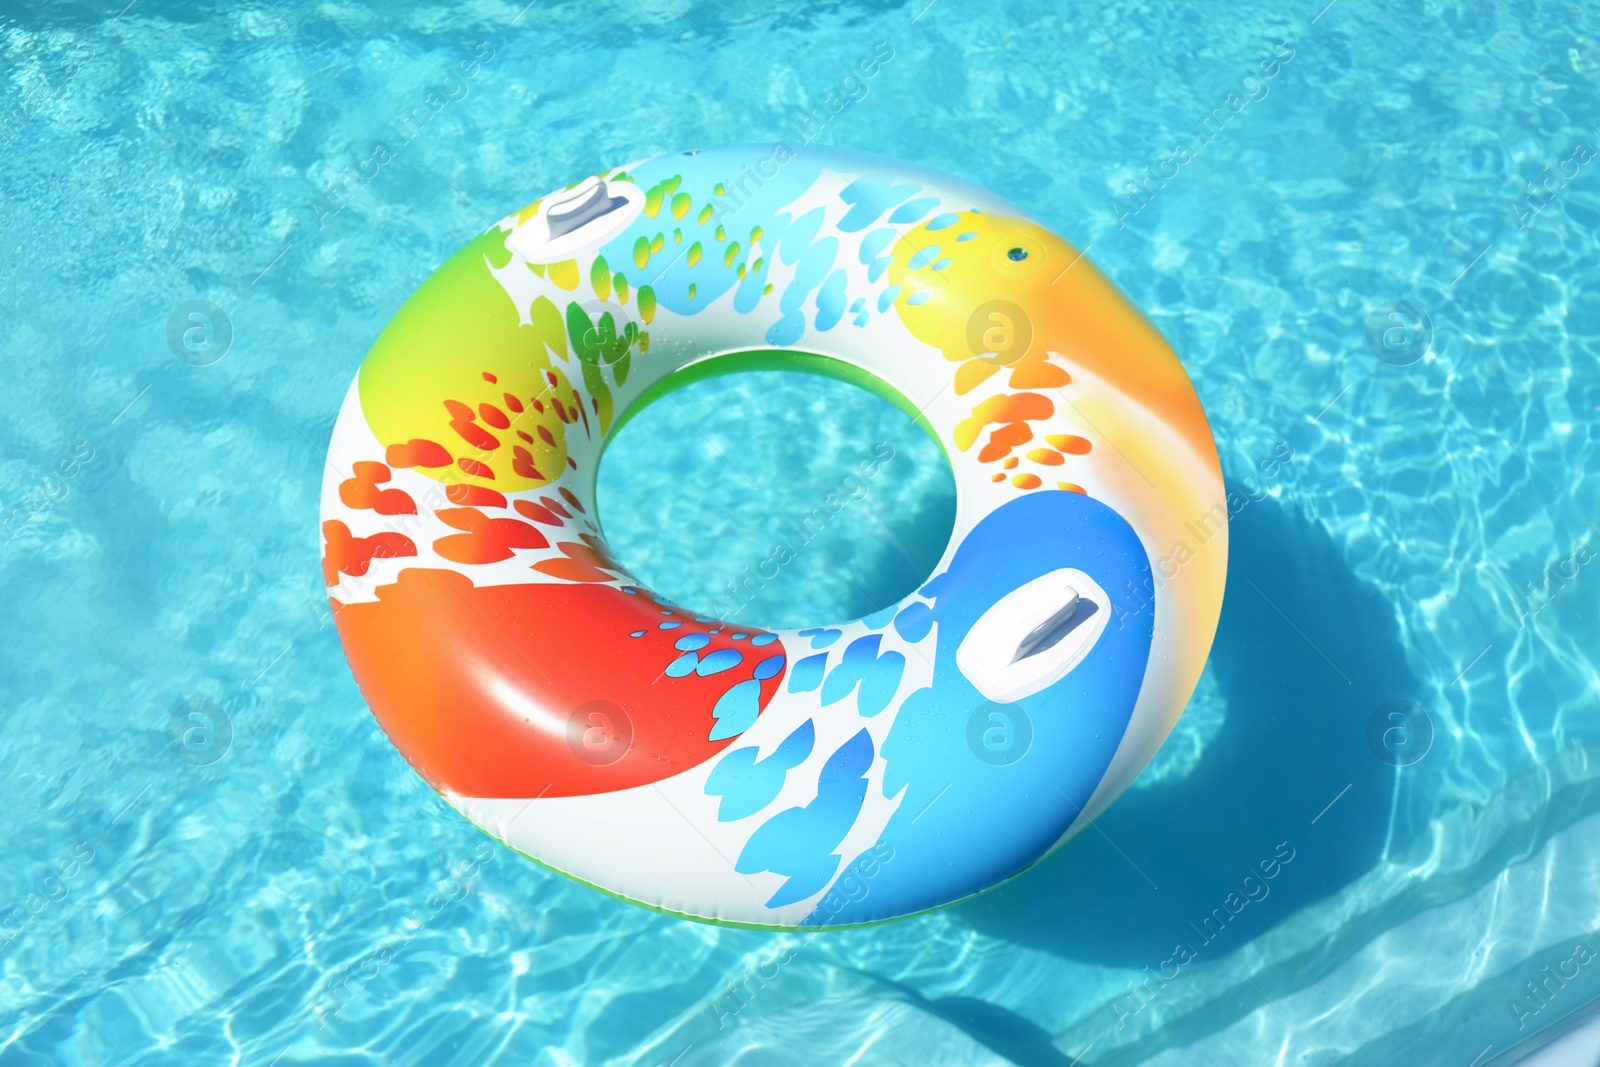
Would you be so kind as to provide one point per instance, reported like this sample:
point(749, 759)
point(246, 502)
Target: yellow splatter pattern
point(1071, 318)
point(460, 384)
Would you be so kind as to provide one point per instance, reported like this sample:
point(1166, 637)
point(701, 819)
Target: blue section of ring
point(966, 823)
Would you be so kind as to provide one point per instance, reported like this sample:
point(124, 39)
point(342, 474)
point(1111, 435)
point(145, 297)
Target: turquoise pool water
point(1370, 233)
point(694, 502)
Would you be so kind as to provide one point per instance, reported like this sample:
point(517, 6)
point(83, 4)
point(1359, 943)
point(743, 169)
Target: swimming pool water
point(836, 507)
point(1370, 233)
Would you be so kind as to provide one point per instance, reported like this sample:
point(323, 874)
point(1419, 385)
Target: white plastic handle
point(579, 206)
point(577, 219)
point(1034, 635)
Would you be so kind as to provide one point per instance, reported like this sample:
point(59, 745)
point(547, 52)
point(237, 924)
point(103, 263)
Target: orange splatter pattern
point(463, 420)
point(494, 416)
point(538, 512)
point(485, 540)
point(585, 562)
point(363, 493)
point(1071, 444)
point(522, 463)
point(417, 453)
point(1010, 414)
point(480, 427)
point(353, 555)
point(474, 496)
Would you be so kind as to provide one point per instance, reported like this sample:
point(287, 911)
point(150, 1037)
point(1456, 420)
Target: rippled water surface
point(1378, 263)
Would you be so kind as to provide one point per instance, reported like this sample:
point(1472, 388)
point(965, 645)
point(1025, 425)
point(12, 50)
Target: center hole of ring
point(775, 498)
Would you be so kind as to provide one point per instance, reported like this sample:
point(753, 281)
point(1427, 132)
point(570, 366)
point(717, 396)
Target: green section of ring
point(760, 359)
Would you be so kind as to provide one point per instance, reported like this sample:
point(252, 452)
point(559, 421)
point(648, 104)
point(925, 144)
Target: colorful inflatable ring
point(830, 776)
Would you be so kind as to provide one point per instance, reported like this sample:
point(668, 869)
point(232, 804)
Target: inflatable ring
point(828, 776)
